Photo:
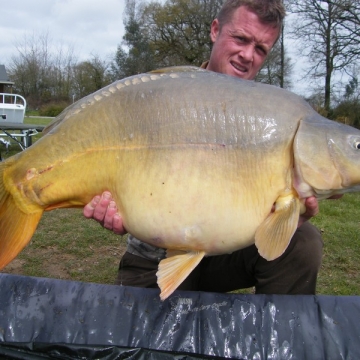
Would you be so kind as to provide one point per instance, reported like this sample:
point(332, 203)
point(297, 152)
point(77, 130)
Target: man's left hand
point(312, 208)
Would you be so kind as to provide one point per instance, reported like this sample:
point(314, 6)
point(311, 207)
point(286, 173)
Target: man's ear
point(214, 30)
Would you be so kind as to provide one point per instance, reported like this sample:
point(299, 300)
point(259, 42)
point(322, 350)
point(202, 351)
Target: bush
point(52, 109)
point(348, 112)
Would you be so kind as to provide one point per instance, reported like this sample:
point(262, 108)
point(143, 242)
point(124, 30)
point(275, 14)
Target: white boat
point(12, 108)
point(12, 113)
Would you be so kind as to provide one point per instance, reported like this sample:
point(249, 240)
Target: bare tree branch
point(329, 30)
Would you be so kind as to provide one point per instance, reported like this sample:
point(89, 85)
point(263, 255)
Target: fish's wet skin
point(190, 157)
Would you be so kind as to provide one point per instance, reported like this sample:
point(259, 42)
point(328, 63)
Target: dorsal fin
point(173, 69)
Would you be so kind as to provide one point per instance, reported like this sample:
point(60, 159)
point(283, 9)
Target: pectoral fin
point(273, 236)
point(175, 269)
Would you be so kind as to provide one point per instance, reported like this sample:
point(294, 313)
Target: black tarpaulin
point(47, 318)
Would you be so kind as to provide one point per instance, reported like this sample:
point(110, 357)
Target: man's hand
point(104, 210)
point(312, 208)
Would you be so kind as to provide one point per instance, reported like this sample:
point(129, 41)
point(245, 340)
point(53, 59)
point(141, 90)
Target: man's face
point(243, 43)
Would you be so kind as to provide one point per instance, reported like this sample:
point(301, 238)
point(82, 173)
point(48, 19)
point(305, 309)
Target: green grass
point(339, 221)
point(68, 246)
point(37, 120)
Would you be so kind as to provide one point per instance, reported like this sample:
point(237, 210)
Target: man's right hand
point(104, 210)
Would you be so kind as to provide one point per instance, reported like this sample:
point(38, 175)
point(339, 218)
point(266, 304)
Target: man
point(243, 34)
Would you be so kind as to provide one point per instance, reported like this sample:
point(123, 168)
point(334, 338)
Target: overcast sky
point(89, 26)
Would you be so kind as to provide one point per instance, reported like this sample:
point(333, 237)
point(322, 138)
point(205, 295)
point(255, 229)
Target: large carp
point(195, 161)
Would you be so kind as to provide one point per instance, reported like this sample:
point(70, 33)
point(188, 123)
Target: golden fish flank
point(195, 161)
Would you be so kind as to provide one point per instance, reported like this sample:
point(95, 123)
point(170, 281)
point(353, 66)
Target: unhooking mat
point(46, 318)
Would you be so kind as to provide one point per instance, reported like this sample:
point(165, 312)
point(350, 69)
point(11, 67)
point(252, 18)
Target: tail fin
point(16, 227)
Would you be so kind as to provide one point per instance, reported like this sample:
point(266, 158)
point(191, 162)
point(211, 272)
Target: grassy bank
point(339, 221)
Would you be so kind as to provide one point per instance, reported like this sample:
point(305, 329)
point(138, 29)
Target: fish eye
point(357, 144)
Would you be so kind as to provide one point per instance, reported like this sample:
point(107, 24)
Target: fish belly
point(195, 198)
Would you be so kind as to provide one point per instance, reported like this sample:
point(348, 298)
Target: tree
point(140, 56)
point(90, 76)
point(39, 71)
point(179, 30)
point(348, 108)
point(28, 69)
point(329, 33)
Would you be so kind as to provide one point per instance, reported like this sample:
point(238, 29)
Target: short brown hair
point(268, 11)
